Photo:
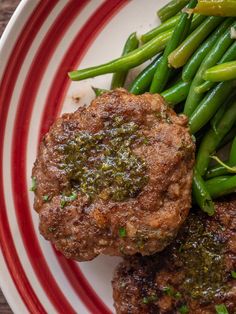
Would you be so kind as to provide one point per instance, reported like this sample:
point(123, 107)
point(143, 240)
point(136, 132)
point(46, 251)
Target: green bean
point(132, 59)
point(160, 29)
point(142, 82)
point(196, 21)
point(220, 186)
point(228, 56)
point(221, 72)
point(227, 138)
point(220, 112)
point(171, 8)
point(163, 71)
point(201, 194)
point(229, 166)
point(211, 58)
point(220, 170)
point(176, 93)
point(216, 7)
point(99, 91)
point(216, 171)
point(191, 67)
point(217, 117)
point(181, 55)
point(118, 78)
point(209, 105)
point(213, 138)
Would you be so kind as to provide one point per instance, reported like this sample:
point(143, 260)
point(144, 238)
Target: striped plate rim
point(38, 28)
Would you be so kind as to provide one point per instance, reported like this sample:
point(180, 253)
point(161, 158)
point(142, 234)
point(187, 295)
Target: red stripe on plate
point(73, 58)
point(20, 137)
point(54, 102)
point(19, 51)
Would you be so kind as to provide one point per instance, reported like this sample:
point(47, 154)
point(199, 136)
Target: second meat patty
point(196, 274)
point(115, 177)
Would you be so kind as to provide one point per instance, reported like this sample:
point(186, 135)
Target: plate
point(43, 41)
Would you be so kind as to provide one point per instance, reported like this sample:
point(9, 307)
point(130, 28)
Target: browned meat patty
point(115, 177)
point(193, 275)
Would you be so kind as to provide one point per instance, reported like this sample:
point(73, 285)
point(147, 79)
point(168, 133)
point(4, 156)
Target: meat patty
point(114, 177)
point(193, 275)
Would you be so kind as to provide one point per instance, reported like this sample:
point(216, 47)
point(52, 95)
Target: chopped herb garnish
point(170, 291)
point(149, 299)
point(221, 309)
point(72, 197)
point(177, 295)
point(63, 203)
point(122, 232)
point(51, 229)
point(233, 274)
point(66, 199)
point(46, 198)
point(183, 309)
point(34, 185)
point(145, 300)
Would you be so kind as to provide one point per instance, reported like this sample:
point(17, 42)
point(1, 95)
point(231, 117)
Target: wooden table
point(7, 7)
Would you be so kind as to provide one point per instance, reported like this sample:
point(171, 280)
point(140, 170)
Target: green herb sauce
point(203, 260)
point(103, 164)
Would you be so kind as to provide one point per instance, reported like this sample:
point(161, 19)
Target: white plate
point(43, 41)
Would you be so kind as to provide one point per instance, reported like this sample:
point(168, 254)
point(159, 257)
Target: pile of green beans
point(211, 58)
point(162, 72)
point(192, 65)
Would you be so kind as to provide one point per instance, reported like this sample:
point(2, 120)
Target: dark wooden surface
point(7, 7)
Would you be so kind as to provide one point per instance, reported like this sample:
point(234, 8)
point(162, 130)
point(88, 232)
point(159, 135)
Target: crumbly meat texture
point(143, 223)
point(192, 275)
